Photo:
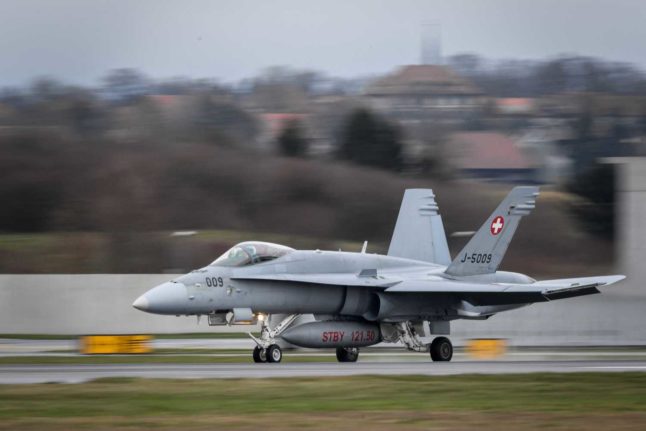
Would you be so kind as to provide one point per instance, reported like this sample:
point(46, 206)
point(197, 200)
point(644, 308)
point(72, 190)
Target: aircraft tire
point(259, 356)
point(347, 354)
point(274, 354)
point(441, 349)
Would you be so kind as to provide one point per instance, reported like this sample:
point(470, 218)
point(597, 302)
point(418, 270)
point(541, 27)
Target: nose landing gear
point(272, 354)
point(259, 355)
point(266, 349)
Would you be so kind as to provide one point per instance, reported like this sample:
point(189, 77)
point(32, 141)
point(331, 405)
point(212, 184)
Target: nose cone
point(141, 303)
point(167, 298)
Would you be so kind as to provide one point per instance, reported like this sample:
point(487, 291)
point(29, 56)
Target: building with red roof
point(491, 156)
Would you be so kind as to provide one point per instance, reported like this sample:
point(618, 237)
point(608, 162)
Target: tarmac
point(377, 360)
point(24, 374)
point(17, 346)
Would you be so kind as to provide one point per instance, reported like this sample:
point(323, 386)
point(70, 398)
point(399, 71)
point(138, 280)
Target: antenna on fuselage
point(365, 246)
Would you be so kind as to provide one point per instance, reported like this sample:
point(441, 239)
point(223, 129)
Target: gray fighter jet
point(343, 300)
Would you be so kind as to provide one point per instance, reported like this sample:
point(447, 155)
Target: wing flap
point(571, 292)
point(601, 280)
point(571, 287)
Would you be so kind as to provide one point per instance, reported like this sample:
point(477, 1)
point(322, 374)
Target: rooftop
point(423, 79)
point(486, 150)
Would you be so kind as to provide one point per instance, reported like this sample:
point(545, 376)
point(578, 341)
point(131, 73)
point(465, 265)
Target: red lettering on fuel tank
point(332, 336)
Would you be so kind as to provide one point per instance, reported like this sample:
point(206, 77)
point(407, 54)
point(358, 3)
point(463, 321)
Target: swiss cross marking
point(497, 224)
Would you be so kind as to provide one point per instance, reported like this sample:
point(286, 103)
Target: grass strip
point(541, 392)
point(550, 400)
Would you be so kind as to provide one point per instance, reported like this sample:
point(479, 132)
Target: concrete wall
point(83, 304)
point(612, 318)
point(631, 223)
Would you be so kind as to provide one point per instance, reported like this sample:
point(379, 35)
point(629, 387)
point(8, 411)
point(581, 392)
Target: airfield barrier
point(115, 344)
point(486, 348)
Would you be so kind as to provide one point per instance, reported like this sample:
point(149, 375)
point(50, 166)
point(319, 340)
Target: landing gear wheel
point(441, 349)
point(274, 353)
point(348, 354)
point(259, 355)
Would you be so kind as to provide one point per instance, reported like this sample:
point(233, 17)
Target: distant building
point(490, 156)
point(594, 104)
point(421, 91)
point(515, 106)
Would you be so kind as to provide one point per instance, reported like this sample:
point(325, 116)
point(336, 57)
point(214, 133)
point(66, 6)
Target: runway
point(22, 374)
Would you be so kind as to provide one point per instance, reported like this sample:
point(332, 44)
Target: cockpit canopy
point(251, 253)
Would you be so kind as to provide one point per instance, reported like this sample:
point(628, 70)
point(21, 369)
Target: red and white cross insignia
point(497, 224)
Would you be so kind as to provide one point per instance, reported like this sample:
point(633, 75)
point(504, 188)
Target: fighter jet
point(346, 300)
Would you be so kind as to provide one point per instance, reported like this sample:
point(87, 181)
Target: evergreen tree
point(368, 140)
point(292, 141)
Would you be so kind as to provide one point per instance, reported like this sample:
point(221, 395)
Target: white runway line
point(618, 367)
point(81, 373)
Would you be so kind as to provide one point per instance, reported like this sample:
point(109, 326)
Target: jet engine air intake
point(360, 302)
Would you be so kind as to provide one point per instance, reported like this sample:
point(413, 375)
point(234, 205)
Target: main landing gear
point(416, 336)
point(441, 349)
point(347, 354)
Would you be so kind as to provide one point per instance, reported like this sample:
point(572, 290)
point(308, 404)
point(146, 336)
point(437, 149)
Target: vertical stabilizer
point(485, 251)
point(419, 232)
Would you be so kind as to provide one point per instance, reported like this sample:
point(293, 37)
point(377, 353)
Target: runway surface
point(13, 374)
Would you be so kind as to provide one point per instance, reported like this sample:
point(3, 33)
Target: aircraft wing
point(368, 279)
point(569, 287)
point(501, 294)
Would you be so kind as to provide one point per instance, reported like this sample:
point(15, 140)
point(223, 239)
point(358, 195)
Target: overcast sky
point(77, 41)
